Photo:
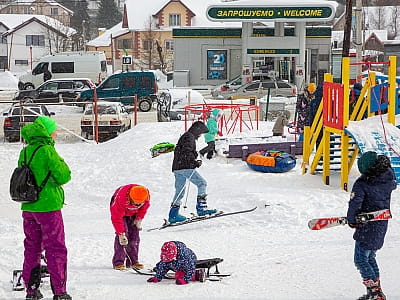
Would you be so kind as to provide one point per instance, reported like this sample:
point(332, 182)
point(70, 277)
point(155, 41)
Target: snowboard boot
point(373, 291)
point(200, 275)
point(63, 296)
point(201, 206)
point(174, 216)
point(36, 295)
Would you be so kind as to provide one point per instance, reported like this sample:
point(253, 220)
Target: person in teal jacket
point(42, 220)
point(209, 137)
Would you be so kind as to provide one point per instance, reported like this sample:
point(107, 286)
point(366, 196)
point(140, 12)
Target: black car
point(16, 117)
point(52, 91)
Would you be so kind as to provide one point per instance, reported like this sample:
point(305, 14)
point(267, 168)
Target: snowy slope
point(271, 253)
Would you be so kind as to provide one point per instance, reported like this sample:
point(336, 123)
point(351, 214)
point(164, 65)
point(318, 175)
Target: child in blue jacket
point(209, 137)
point(371, 192)
point(177, 257)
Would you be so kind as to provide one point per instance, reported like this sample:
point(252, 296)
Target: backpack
point(23, 186)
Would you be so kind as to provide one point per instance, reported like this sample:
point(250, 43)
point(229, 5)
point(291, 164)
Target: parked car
point(18, 116)
point(53, 90)
point(231, 84)
point(113, 118)
point(122, 87)
point(278, 88)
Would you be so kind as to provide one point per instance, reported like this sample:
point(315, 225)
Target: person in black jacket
point(371, 192)
point(184, 168)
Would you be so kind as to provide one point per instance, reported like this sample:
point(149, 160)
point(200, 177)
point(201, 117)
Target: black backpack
point(23, 186)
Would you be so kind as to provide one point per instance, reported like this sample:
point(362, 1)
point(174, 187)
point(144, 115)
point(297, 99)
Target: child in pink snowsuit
point(128, 207)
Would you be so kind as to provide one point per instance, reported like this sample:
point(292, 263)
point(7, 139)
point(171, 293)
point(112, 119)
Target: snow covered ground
point(270, 252)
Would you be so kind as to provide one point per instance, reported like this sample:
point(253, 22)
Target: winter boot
point(372, 291)
point(174, 216)
point(381, 295)
point(36, 295)
point(63, 296)
point(200, 275)
point(201, 206)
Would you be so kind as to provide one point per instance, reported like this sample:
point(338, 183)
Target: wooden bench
point(243, 150)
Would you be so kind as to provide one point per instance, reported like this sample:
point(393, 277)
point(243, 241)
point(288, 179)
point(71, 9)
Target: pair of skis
point(322, 223)
point(196, 218)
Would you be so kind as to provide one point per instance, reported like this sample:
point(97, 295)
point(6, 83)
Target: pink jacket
point(120, 207)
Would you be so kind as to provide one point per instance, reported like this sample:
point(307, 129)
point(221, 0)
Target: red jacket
point(120, 207)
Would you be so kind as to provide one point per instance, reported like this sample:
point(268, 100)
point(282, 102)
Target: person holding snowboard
point(42, 220)
point(209, 137)
point(371, 192)
point(184, 168)
point(129, 205)
point(177, 257)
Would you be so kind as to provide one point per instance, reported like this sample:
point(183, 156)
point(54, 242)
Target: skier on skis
point(371, 192)
point(129, 205)
point(209, 137)
point(184, 168)
point(42, 220)
point(177, 257)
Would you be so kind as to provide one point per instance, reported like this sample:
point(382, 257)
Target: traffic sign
point(127, 60)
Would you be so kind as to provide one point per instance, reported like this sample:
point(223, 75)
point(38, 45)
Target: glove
point(181, 281)
point(354, 226)
point(123, 241)
point(152, 279)
point(199, 162)
point(138, 224)
point(219, 133)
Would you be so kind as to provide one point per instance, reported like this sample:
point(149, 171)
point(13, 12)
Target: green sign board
point(238, 13)
point(273, 51)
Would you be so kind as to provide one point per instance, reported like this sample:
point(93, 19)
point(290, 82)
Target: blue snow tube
point(271, 161)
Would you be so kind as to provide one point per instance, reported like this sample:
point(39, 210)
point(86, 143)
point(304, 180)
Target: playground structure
point(330, 132)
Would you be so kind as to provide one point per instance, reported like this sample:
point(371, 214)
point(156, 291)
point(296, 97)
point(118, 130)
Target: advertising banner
point(217, 64)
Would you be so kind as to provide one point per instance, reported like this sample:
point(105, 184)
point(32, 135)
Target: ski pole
point(180, 192)
point(187, 193)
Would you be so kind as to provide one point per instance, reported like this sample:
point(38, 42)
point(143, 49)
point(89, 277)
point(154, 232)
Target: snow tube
point(271, 161)
point(160, 148)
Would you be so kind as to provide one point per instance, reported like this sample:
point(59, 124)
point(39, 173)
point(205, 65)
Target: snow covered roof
point(13, 21)
point(33, 2)
point(381, 34)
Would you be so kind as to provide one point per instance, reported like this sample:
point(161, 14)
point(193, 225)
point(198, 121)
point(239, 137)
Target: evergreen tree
point(108, 14)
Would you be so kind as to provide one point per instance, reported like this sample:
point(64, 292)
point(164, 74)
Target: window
point(54, 11)
point(174, 20)
point(128, 82)
point(35, 40)
point(283, 85)
point(62, 67)
point(169, 45)
point(145, 82)
point(27, 10)
point(52, 86)
point(65, 86)
point(147, 45)
point(3, 39)
point(103, 66)
point(124, 44)
point(112, 83)
point(21, 62)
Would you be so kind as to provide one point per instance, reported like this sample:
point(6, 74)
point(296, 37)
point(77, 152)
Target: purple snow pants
point(44, 231)
point(132, 234)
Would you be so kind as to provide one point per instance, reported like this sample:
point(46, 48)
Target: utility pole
point(358, 36)
point(347, 29)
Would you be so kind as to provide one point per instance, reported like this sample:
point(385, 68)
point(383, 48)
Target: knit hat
point(216, 113)
point(311, 87)
point(366, 161)
point(138, 194)
point(168, 252)
point(48, 123)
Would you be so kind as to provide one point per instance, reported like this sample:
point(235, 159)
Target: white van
point(84, 64)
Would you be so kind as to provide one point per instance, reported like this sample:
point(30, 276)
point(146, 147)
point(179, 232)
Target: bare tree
point(378, 16)
point(149, 55)
point(394, 25)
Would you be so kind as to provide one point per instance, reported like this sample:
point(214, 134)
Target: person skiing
point(177, 257)
point(370, 192)
point(184, 168)
point(42, 220)
point(209, 137)
point(128, 206)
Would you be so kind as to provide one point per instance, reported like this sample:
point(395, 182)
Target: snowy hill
point(270, 252)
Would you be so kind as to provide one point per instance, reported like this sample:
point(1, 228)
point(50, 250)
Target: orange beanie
point(139, 194)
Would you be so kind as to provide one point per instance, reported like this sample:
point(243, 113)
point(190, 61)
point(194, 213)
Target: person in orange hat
point(129, 205)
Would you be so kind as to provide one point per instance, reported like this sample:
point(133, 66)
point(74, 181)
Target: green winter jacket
point(46, 159)
point(212, 126)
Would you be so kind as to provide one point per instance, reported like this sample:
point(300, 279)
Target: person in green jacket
point(209, 137)
point(42, 220)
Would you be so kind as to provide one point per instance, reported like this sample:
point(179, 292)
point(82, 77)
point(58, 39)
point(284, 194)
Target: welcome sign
point(241, 13)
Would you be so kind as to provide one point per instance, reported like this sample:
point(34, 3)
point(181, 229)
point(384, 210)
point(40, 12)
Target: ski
point(322, 223)
point(17, 282)
point(196, 218)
